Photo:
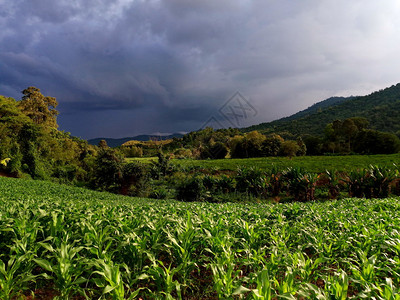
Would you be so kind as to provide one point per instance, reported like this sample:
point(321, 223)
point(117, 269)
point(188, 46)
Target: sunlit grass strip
point(313, 164)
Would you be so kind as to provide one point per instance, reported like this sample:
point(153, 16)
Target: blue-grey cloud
point(126, 67)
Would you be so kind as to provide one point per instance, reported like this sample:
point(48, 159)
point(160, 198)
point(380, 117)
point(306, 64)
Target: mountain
point(111, 142)
point(381, 108)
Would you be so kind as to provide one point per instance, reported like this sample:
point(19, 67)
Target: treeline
point(352, 136)
point(349, 136)
point(32, 146)
point(222, 143)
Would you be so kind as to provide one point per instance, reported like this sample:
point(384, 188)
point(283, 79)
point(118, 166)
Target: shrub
point(182, 153)
point(214, 151)
point(162, 167)
point(252, 180)
point(107, 170)
point(333, 183)
point(191, 189)
point(133, 151)
point(225, 184)
point(300, 184)
point(289, 148)
point(159, 193)
point(134, 179)
point(275, 180)
point(355, 183)
point(377, 183)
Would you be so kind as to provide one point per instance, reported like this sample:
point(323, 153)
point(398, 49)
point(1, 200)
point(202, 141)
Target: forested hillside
point(381, 108)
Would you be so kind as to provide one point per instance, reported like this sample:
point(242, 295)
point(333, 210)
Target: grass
point(145, 160)
point(66, 242)
point(315, 164)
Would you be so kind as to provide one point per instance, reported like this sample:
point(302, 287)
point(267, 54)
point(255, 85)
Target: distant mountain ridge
point(112, 142)
point(381, 108)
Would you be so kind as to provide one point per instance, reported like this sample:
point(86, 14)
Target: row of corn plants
point(59, 242)
point(294, 183)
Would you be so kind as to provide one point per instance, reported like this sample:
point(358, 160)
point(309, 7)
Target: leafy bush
point(355, 183)
point(289, 148)
point(215, 151)
point(334, 183)
point(373, 182)
point(107, 171)
point(133, 151)
point(182, 153)
point(159, 193)
point(378, 181)
point(300, 184)
point(252, 180)
point(134, 179)
point(225, 184)
point(162, 167)
point(275, 180)
point(191, 189)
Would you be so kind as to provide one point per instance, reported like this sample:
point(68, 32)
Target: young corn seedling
point(98, 239)
point(286, 287)
point(305, 267)
point(14, 276)
point(263, 291)
point(65, 267)
point(164, 279)
point(183, 244)
point(337, 286)
point(135, 251)
point(388, 291)
point(111, 280)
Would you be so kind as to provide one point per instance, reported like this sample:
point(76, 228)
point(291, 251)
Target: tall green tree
point(41, 109)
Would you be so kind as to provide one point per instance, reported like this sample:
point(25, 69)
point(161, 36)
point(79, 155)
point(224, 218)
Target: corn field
point(59, 242)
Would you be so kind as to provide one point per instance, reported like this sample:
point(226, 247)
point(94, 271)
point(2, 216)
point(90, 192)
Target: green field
point(310, 163)
point(315, 164)
point(62, 241)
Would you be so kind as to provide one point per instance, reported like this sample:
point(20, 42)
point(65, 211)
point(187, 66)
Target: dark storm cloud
point(131, 66)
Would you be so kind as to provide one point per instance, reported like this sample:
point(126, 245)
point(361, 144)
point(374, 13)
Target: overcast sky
point(126, 67)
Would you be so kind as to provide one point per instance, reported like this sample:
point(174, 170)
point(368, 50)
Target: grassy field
point(316, 164)
point(62, 241)
point(310, 163)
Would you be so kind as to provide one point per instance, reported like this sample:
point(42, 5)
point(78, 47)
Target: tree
point(302, 147)
point(249, 146)
point(214, 151)
point(107, 173)
point(103, 144)
point(289, 148)
point(41, 109)
point(313, 144)
point(370, 141)
point(272, 144)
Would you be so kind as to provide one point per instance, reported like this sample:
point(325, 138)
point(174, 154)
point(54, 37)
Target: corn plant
point(337, 286)
point(14, 276)
point(163, 277)
point(65, 267)
point(183, 243)
point(263, 290)
point(111, 280)
point(388, 290)
point(69, 242)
